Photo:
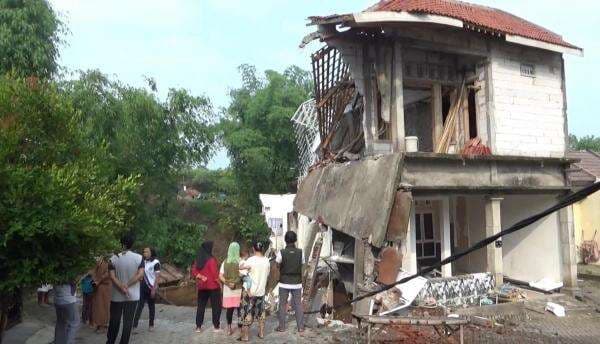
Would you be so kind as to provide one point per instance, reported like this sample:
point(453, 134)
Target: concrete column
point(362, 306)
point(445, 232)
point(567, 245)
point(493, 226)
point(408, 247)
point(398, 100)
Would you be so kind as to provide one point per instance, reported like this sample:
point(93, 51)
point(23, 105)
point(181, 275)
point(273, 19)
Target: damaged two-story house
point(435, 124)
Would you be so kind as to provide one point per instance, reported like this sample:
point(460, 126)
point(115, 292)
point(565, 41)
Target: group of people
point(118, 288)
point(115, 290)
point(239, 284)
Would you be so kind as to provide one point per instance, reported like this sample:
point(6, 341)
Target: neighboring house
point(452, 120)
point(278, 211)
point(586, 214)
point(188, 193)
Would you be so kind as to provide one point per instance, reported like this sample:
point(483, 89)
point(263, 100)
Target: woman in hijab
point(205, 272)
point(229, 275)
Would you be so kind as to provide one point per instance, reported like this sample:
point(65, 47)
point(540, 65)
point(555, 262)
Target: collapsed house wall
point(535, 251)
point(528, 111)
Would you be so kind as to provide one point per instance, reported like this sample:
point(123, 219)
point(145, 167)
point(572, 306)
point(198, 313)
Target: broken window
point(426, 244)
point(417, 116)
point(440, 107)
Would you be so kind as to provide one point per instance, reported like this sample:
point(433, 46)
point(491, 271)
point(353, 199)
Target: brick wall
point(528, 111)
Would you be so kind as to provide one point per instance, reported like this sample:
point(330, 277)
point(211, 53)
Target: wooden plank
point(310, 281)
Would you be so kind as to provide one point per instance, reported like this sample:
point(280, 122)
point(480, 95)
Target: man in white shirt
point(258, 267)
point(126, 270)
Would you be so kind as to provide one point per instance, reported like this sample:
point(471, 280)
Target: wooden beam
point(412, 43)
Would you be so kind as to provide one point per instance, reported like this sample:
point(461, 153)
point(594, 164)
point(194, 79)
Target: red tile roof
point(476, 15)
point(587, 170)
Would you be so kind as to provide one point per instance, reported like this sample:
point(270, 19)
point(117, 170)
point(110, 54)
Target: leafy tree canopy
point(259, 137)
point(257, 131)
point(590, 142)
point(58, 210)
point(29, 38)
point(151, 138)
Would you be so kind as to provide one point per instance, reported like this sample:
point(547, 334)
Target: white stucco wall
point(533, 252)
point(477, 260)
point(277, 207)
point(528, 113)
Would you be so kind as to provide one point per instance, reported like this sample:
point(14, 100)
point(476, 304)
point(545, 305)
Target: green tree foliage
point(259, 137)
point(589, 142)
point(58, 210)
point(151, 138)
point(29, 38)
point(257, 131)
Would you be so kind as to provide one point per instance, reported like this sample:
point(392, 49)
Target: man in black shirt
point(290, 261)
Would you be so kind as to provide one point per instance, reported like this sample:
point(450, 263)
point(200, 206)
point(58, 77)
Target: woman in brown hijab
point(102, 293)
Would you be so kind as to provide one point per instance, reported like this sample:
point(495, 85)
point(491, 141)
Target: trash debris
point(556, 309)
point(589, 251)
point(481, 321)
point(408, 291)
point(510, 293)
point(486, 301)
point(333, 323)
point(546, 284)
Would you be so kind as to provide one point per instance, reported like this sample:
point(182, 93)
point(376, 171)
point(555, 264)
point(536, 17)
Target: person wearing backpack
point(230, 276)
point(87, 289)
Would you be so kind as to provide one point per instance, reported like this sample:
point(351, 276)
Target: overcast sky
point(198, 44)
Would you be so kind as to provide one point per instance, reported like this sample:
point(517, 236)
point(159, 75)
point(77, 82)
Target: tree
point(29, 38)
point(58, 210)
point(151, 138)
point(589, 142)
point(259, 137)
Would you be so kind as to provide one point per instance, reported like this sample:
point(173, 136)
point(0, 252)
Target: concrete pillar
point(493, 226)
point(398, 100)
point(445, 232)
point(361, 307)
point(408, 247)
point(567, 245)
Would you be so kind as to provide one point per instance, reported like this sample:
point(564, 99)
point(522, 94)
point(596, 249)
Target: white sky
point(198, 44)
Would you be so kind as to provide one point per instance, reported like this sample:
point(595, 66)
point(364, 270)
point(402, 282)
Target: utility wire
point(564, 202)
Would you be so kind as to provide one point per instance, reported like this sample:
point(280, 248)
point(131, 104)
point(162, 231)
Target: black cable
point(565, 202)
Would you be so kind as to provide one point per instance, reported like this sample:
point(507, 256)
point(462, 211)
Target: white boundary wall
point(535, 251)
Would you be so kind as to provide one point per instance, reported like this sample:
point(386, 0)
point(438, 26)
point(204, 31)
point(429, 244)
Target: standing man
point(126, 270)
point(67, 316)
point(290, 281)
